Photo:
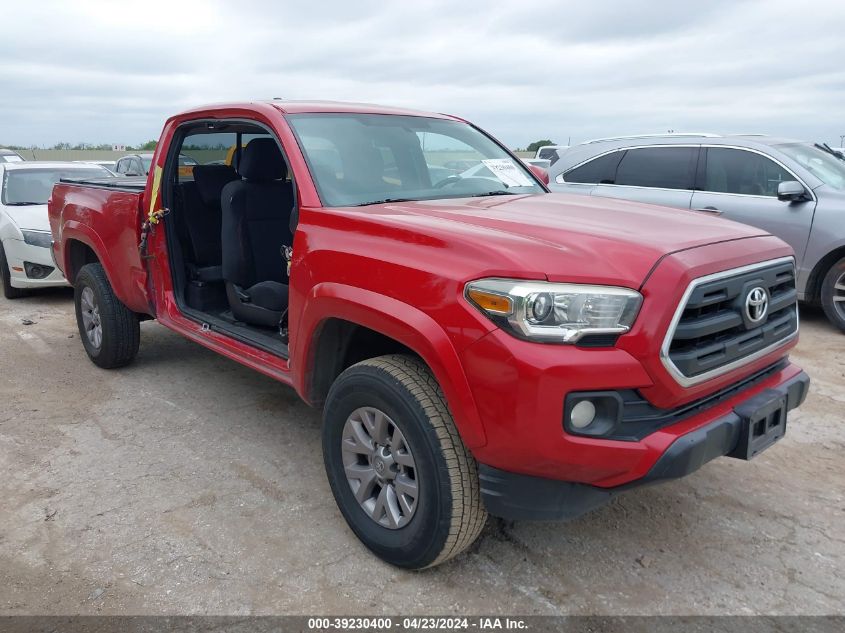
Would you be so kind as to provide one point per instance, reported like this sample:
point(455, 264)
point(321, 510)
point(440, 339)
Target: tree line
point(148, 146)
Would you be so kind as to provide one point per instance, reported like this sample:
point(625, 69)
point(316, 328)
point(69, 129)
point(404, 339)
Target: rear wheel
point(401, 476)
point(833, 294)
point(110, 331)
point(9, 291)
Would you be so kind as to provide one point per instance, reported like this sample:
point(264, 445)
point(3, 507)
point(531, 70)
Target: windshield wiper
point(827, 148)
point(23, 204)
point(385, 201)
point(500, 192)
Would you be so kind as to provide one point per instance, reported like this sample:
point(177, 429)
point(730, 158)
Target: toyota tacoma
point(476, 343)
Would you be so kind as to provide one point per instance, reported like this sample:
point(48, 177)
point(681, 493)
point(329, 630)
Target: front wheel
point(833, 294)
point(110, 331)
point(401, 476)
point(9, 291)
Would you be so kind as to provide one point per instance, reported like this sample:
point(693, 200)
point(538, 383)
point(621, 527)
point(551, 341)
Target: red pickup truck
point(478, 344)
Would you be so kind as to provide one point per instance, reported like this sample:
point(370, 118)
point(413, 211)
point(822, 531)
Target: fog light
point(593, 413)
point(37, 271)
point(582, 414)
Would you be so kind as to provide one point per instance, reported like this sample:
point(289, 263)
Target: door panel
point(666, 197)
point(743, 186)
point(571, 187)
point(657, 175)
point(788, 221)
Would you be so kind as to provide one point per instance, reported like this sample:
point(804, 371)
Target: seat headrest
point(210, 180)
point(261, 159)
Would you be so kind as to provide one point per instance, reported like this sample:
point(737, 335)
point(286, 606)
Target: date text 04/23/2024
point(416, 624)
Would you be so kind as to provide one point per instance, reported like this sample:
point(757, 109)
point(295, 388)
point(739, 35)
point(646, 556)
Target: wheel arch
point(82, 245)
point(343, 325)
point(817, 275)
point(77, 254)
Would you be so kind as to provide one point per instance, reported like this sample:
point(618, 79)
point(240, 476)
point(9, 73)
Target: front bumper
point(523, 497)
point(18, 252)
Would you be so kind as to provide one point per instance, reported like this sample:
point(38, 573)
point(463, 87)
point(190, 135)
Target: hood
point(33, 217)
point(570, 237)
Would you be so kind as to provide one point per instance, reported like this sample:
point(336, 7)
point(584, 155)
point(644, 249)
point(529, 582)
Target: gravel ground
point(188, 484)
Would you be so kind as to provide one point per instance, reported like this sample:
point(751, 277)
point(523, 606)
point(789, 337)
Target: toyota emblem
point(757, 305)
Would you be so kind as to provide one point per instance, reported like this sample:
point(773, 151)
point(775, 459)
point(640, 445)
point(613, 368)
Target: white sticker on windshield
point(507, 172)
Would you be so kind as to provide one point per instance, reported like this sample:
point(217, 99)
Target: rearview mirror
point(791, 191)
point(541, 173)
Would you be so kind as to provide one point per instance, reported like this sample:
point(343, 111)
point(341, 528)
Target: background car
point(550, 153)
point(537, 162)
point(460, 165)
point(108, 164)
point(792, 189)
point(139, 165)
point(25, 258)
point(10, 156)
point(133, 165)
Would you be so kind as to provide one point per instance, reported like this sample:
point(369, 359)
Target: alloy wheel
point(839, 295)
point(90, 311)
point(380, 467)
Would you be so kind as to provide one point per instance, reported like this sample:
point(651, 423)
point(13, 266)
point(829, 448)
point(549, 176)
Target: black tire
point(449, 514)
point(833, 287)
point(121, 331)
point(9, 291)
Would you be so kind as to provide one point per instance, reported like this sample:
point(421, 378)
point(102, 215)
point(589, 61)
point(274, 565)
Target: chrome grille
point(716, 327)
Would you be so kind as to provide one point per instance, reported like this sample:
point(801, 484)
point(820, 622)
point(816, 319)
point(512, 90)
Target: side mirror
point(791, 191)
point(543, 175)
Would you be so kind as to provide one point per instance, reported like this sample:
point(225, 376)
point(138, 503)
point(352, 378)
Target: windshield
point(11, 158)
point(33, 186)
point(360, 159)
point(823, 165)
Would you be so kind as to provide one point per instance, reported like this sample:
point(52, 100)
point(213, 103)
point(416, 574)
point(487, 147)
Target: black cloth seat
point(201, 218)
point(255, 228)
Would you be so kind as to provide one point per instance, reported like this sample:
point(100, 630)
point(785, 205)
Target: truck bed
point(102, 217)
point(131, 184)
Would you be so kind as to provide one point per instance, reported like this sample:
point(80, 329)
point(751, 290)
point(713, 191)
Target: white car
point(108, 164)
point(8, 156)
point(25, 258)
point(537, 162)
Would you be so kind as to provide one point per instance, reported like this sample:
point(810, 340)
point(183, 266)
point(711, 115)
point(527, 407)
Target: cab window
point(658, 167)
point(741, 172)
point(599, 171)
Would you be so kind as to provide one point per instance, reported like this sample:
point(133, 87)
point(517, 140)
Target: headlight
point(37, 238)
point(552, 312)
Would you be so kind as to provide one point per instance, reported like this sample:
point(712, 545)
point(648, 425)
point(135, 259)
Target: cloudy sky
point(111, 72)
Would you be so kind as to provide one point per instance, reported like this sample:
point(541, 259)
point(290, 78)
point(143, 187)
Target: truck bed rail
point(131, 184)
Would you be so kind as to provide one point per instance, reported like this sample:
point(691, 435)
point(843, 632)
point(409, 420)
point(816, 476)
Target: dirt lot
point(189, 484)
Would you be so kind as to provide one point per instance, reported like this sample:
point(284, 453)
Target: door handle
point(710, 210)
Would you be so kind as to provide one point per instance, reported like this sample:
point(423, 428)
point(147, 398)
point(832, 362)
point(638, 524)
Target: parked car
point(477, 344)
point(460, 164)
point(792, 189)
point(25, 259)
point(550, 153)
point(10, 156)
point(537, 162)
point(111, 165)
point(139, 165)
point(133, 165)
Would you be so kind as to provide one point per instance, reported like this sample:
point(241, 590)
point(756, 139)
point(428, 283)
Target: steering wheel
point(447, 181)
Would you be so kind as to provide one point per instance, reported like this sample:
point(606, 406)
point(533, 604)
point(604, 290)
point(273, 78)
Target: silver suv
point(791, 189)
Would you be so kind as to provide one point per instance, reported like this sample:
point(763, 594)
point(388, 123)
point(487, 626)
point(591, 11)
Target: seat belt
point(287, 255)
